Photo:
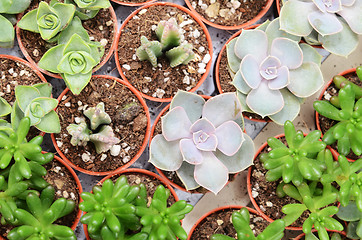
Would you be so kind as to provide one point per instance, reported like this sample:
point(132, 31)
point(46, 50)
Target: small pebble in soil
point(219, 222)
point(115, 150)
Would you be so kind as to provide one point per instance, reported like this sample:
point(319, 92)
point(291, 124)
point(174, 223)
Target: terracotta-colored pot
point(55, 75)
point(137, 171)
point(250, 22)
point(303, 234)
point(194, 16)
point(142, 148)
point(278, 6)
point(334, 151)
point(235, 207)
point(130, 4)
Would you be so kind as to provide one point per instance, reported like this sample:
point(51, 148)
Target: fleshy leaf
point(25, 94)
point(49, 123)
point(249, 69)
point(325, 23)
point(273, 31)
point(242, 101)
point(230, 137)
point(51, 59)
point(240, 84)
point(233, 60)
point(190, 102)
point(6, 29)
point(353, 16)
point(45, 89)
point(281, 81)
point(205, 142)
point(268, 68)
point(203, 124)
point(186, 175)
point(288, 52)
point(5, 107)
point(176, 124)
point(310, 54)
point(75, 26)
point(254, 42)
point(77, 82)
point(28, 22)
point(189, 152)
point(290, 110)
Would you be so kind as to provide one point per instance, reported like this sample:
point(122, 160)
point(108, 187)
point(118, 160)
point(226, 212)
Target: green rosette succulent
point(352, 214)
point(5, 107)
point(241, 223)
point(48, 20)
point(74, 57)
point(37, 223)
point(86, 9)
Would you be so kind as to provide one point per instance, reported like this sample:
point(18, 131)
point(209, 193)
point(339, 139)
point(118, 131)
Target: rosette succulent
point(335, 24)
point(353, 215)
point(269, 70)
point(202, 141)
point(86, 9)
point(48, 20)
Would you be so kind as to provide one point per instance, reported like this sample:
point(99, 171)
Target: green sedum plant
point(241, 223)
point(37, 223)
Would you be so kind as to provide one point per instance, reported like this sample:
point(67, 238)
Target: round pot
point(121, 69)
point(130, 4)
point(278, 5)
point(137, 171)
point(234, 207)
point(303, 234)
point(55, 75)
point(333, 150)
point(248, 23)
point(142, 147)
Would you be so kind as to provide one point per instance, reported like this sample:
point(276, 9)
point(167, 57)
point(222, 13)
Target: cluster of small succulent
point(75, 55)
point(306, 172)
point(170, 40)
point(21, 178)
point(102, 135)
point(346, 109)
point(120, 211)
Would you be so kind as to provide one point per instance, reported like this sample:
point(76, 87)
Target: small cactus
point(104, 140)
point(80, 134)
point(149, 50)
point(169, 34)
point(97, 116)
point(180, 55)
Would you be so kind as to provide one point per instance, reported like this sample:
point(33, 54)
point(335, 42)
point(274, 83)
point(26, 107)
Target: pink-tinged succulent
point(271, 71)
point(335, 24)
point(202, 141)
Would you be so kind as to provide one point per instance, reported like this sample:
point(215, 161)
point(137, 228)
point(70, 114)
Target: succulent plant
point(168, 33)
point(149, 50)
point(97, 116)
point(104, 140)
point(5, 107)
point(43, 211)
point(74, 57)
point(36, 103)
point(88, 9)
point(332, 23)
point(353, 215)
point(268, 67)
point(162, 222)
point(298, 160)
point(80, 134)
point(348, 131)
point(202, 142)
point(180, 55)
point(241, 223)
point(48, 20)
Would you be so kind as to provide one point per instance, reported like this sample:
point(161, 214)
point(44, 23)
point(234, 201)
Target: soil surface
point(220, 223)
point(163, 81)
point(130, 130)
point(228, 13)
point(326, 123)
point(100, 27)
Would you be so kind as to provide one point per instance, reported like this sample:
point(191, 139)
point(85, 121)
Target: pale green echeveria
point(74, 57)
point(48, 20)
point(36, 103)
point(13, 6)
point(335, 24)
point(202, 141)
point(5, 107)
point(272, 72)
point(86, 9)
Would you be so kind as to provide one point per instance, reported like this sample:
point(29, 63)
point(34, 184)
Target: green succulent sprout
point(149, 50)
point(352, 214)
point(311, 236)
point(36, 103)
point(162, 222)
point(97, 116)
point(80, 134)
point(15, 146)
point(48, 20)
point(180, 55)
point(296, 162)
point(7, 19)
point(86, 9)
point(168, 33)
point(5, 107)
point(111, 209)
point(241, 223)
point(74, 57)
point(43, 211)
point(348, 131)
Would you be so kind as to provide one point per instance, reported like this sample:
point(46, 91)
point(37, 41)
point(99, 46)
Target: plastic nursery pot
point(145, 138)
point(278, 2)
point(133, 4)
point(135, 171)
point(301, 236)
point(123, 30)
point(104, 59)
point(229, 207)
point(264, 10)
point(333, 150)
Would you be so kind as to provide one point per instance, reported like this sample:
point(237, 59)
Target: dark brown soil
point(265, 193)
point(65, 187)
point(224, 75)
point(246, 12)
point(131, 132)
point(96, 27)
point(326, 123)
point(220, 223)
point(163, 81)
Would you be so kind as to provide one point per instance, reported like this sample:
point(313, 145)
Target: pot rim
point(194, 16)
point(264, 10)
point(140, 151)
point(56, 75)
point(133, 4)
